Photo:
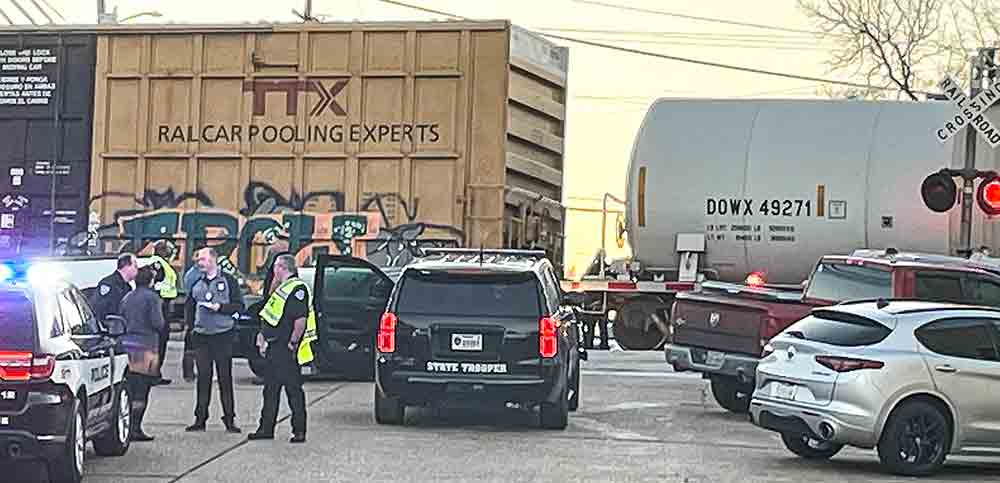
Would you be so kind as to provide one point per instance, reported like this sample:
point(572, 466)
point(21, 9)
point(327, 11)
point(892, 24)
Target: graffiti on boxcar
point(396, 245)
point(306, 224)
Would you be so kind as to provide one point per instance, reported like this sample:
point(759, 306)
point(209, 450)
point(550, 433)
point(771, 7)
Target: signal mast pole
point(965, 233)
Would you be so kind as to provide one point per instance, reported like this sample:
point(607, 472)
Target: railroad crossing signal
point(988, 196)
point(940, 193)
point(971, 112)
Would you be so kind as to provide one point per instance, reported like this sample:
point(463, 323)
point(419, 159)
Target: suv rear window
point(837, 328)
point(17, 322)
point(472, 294)
point(841, 282)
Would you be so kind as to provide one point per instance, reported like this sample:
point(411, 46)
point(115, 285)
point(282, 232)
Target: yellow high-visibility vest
point(275, 308)
point(168, 287)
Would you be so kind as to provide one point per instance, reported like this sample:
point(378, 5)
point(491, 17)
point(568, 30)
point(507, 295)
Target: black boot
point(138, 413)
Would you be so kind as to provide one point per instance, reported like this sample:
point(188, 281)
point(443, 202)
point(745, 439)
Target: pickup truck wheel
point(731, 395)
point(638, 325)
point(809, 448)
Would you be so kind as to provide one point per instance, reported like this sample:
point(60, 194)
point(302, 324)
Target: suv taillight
point(23, 366)
point(547, 343)
point(847, 364)
point(387, 333)
point(43, 366)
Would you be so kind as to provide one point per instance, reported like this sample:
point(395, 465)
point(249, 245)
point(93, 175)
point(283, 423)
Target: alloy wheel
point(922, 440)
point(79, 446)
point(124, 417)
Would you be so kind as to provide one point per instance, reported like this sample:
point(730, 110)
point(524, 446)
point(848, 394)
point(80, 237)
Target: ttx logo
point(291, 89)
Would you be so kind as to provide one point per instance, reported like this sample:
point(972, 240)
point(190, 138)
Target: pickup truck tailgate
point(718, 324)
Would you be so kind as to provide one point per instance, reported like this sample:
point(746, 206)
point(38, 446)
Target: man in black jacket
point(211, 308)
point(107, 298)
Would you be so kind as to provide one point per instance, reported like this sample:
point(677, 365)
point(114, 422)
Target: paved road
point(637, 422)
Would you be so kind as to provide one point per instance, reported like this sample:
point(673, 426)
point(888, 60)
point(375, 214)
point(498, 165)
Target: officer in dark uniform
point(285, 340)
point(111, 289)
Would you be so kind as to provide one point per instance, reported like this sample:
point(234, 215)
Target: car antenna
point(480, 254)
point(882, 303)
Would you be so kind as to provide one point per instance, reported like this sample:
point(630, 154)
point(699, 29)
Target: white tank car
point(775, 184)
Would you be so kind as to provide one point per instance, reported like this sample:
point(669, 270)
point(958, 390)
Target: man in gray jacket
point(212, 305)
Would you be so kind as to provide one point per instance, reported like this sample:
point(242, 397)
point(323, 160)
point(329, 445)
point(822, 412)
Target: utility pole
point(309, 10)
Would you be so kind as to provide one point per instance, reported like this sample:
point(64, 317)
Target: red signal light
point(988, 196)
point(386, 340)
point(756, 279)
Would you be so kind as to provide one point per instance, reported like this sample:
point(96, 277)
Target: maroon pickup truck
point(721, 329)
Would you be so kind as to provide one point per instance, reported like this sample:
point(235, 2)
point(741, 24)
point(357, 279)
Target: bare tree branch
point(891, 41)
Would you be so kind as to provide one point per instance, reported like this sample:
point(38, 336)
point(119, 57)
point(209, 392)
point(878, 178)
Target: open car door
point(349, 296)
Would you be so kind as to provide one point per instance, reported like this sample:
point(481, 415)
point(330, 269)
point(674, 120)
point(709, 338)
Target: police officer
point(288, 329)
point(111, 289)
point(163, 253)
point(191, 277)
point(210, 307)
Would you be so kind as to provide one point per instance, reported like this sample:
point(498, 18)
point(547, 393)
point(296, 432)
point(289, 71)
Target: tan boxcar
point(360, 137)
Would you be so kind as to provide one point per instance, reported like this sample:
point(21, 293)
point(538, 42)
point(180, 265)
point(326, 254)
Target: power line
point(694, 17)
point(675, 58)
point(428, 10)
point(44, 13)
point(775, 46)
point(54, 9)
point(722, 66)
point(680, 34)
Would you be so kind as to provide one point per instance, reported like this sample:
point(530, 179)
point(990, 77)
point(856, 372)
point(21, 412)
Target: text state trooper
point(288, 329)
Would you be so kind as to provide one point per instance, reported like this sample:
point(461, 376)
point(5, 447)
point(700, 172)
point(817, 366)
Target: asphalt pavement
point(638, 421)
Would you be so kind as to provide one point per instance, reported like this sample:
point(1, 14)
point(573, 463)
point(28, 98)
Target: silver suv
point(915, 380)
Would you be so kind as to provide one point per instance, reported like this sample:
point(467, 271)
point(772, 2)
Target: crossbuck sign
point(971, 112)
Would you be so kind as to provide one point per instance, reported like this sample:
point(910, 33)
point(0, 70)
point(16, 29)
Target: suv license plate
point(782, 390)
point(466, 342)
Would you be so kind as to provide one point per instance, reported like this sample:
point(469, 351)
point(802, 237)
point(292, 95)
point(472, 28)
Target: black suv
point(62, 382)
point(475, 326)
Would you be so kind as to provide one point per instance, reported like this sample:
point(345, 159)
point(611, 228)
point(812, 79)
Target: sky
point(610, 91)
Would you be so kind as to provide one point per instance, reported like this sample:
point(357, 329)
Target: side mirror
point(114, 326)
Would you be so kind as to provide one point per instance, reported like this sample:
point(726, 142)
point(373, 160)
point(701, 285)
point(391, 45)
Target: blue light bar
point(6, 273)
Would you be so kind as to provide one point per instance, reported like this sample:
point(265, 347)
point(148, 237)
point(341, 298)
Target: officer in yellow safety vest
point(288, 329)
point(166, 286)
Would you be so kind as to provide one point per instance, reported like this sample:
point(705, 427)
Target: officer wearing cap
point(288, 329)
point(111, 289)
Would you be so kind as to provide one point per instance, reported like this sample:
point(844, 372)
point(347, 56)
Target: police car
point(478, 327)
point(62, 381)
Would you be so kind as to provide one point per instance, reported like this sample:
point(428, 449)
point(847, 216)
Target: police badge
point(105, 290)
